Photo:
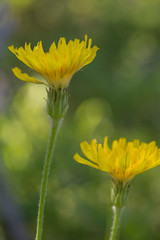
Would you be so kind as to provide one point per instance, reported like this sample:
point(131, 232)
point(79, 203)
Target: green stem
point(116, 221)
point(55, 126)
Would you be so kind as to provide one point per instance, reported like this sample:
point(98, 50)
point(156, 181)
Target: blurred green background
point(118, 95)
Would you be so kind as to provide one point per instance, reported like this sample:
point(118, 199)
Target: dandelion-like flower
point(58, 64)
point(123, 160)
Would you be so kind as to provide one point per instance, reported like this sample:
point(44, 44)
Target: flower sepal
point(57, 103)
point(119, 193)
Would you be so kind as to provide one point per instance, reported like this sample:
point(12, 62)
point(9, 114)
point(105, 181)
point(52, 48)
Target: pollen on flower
point(123, 160)
point(57, 65)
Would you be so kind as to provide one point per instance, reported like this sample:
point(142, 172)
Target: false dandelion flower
point(57, 66)
point(122, 162)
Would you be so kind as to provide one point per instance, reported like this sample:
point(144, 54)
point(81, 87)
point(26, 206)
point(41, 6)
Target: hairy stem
point(55, 126)
point(115, 224)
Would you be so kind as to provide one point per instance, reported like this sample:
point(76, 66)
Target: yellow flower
point(58, 65)
point(123, 161)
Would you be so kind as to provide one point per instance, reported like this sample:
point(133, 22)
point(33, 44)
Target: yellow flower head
point(59, 64)
point(123, 161)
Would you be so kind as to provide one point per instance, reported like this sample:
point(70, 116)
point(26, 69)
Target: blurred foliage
point(117, 95)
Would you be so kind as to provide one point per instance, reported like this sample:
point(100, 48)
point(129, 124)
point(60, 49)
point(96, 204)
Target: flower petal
point(24, 76)
point(89, 151)
point(84, 161)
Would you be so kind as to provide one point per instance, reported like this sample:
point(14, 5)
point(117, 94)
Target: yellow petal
point(84, 161)
point(88, 150)
point(24, 76)
point(105, 144)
